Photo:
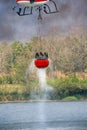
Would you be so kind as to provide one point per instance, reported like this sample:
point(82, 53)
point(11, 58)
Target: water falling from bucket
point(45, 89)
point(42, 78)
point(41, 73)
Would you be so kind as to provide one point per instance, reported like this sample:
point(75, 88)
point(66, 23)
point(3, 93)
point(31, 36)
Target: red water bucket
point(41, 63)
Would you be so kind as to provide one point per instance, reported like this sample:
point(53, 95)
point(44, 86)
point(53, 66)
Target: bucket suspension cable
point(40, 54)
point(39, 13)
point(39, 31)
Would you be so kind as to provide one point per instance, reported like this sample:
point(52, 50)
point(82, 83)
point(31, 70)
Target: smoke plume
point(72, 13)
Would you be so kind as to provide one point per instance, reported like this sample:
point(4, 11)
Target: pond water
point(43, 116)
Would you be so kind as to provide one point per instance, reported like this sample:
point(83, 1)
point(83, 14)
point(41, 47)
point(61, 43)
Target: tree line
point(67, 54)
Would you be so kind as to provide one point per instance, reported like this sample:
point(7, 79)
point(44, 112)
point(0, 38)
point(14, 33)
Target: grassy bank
point(64, 89)
point(13, 92)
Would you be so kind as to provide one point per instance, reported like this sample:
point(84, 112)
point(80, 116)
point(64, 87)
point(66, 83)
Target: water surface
point(43, 116)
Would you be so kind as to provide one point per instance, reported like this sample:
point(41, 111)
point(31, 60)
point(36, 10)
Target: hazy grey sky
point(12, 27)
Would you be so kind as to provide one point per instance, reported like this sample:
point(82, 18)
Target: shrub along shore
point(64, 89)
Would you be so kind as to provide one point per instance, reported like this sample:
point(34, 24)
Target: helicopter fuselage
point(31, 2)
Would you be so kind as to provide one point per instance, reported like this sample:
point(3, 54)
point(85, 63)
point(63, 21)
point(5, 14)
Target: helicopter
point(27, 7)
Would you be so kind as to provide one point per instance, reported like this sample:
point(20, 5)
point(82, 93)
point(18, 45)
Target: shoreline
point(32, 101)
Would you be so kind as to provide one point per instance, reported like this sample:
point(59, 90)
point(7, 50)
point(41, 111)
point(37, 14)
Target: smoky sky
point(72, 13)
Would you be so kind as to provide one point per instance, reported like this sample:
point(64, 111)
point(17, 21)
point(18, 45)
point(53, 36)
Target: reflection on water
point(45, 126)
point(43, 116)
